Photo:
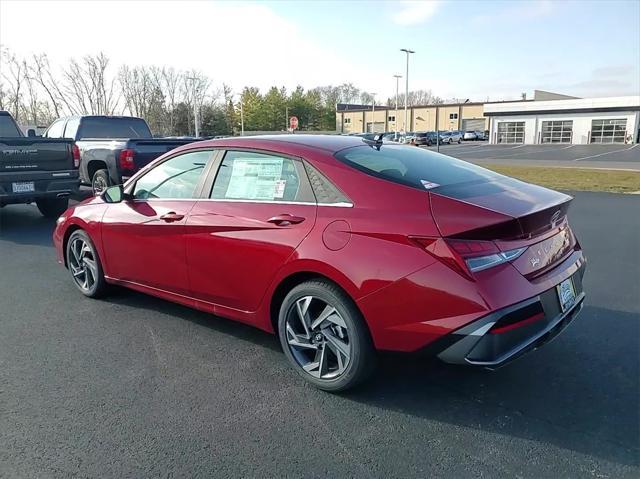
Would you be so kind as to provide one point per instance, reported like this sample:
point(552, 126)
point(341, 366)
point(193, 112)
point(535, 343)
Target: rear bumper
point(507, 334)
point(50, 184)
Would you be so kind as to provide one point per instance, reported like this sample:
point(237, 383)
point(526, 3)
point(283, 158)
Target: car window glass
point(71, 128)
point(260, 177)
point(415, 167)
point(55, 130)
point(176, 178)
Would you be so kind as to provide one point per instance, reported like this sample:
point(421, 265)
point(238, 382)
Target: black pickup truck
point(112, 148)
point(36, 169)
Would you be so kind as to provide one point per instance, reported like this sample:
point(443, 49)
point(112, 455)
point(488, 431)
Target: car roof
point(328, 143)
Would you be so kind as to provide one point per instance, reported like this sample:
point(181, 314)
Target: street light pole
point(395, 123)
point(373, 109)
point(406, 88)
point(195, 106)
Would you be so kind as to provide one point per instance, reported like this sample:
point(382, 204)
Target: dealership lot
point(135, 386)
point(579, 156)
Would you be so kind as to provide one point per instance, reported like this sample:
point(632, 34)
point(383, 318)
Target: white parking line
point(606, 153)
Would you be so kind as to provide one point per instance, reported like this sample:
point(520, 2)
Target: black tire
point(98, 286)
point(459, 140)
point(100, 182)
point(52, 207)
point(362, 357)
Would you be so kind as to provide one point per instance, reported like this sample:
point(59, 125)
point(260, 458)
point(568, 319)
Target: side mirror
point(115, 194)
point(31, 132)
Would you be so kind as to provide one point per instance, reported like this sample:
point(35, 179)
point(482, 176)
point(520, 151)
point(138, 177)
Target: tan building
point(456, 116)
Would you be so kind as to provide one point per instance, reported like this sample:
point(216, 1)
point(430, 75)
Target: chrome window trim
point(303, 203)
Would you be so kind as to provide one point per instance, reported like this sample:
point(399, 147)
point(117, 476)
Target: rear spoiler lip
point(562, 200)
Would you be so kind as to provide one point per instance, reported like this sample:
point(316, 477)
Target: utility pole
point(241, 118)
point(373, 110)
point(406, 89)
point(286, 118)
point(195, 106)
point(395, 123)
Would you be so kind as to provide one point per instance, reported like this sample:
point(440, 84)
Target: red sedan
point(340, 245)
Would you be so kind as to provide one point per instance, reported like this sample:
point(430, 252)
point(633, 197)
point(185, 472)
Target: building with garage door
point(577, 121)
point(445, 117)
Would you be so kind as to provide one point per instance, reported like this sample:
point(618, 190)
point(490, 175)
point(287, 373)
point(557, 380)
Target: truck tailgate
point(35, 154)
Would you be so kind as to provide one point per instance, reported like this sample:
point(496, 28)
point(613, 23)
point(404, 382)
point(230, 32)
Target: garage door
point(473, 124)
point(608, 131)
point(511, 132)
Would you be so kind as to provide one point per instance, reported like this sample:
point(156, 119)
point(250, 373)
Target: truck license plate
point(566, 294)
point(23, 187)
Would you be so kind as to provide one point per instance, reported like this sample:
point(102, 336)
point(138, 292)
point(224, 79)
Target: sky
point(464, 49)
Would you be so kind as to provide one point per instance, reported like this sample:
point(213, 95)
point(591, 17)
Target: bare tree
point(170, 81)
point(89, 87)
point(13, 74)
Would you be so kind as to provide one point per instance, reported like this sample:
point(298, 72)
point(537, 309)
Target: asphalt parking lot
point(132, 386)
point(578, 156)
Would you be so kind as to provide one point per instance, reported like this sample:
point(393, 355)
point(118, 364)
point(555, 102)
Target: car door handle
point(286, 220)
point(171, 217)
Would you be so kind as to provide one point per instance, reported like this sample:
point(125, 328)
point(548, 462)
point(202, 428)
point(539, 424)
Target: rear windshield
point(414, 166)
point(114, 128)
point(8, 128)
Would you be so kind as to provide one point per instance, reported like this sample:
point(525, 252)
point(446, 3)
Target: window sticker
point(279, 189)
point(255, 178)
point(428, 184)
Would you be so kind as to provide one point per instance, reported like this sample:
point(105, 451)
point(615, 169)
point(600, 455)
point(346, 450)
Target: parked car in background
point(112, 148)
point(470, 136)
point(341, 246)
point(33, 169)
point(450, 137)
point(427, 138)
point(408, 137)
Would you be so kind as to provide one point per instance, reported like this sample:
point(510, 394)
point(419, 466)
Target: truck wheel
point(100, 182)
point(52, 207)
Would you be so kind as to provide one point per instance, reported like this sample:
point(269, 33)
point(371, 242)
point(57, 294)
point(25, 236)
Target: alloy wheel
point(99, 185)
point(318, 338)
point(83, 265)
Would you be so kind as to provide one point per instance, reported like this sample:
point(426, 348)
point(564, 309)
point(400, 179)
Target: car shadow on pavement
point(569, 393)
point(572, 393)
point(23, 224)
point(125, 297)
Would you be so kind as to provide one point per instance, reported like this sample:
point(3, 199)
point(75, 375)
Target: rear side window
point(8, 128)
point(96, 127)
point(252, 176)
point(56, 129)
point(72, 128)
point(326, 192)
point(412, 166)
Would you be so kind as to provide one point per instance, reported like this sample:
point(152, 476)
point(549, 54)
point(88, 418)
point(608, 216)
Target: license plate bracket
point(23, 187)
point(566, 294)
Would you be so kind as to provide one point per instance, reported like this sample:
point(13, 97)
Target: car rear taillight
point(465, 256)
point(126, 160)
point(75, 153)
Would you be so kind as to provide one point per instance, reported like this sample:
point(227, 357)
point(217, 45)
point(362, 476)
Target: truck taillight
point(126, 160)
point(75, 152)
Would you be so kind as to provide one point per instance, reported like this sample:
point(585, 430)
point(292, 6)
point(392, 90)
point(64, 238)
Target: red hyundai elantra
point(340, 245)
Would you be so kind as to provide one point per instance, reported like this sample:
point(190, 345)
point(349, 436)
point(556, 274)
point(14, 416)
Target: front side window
point(252, 176)
point(176, 178)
